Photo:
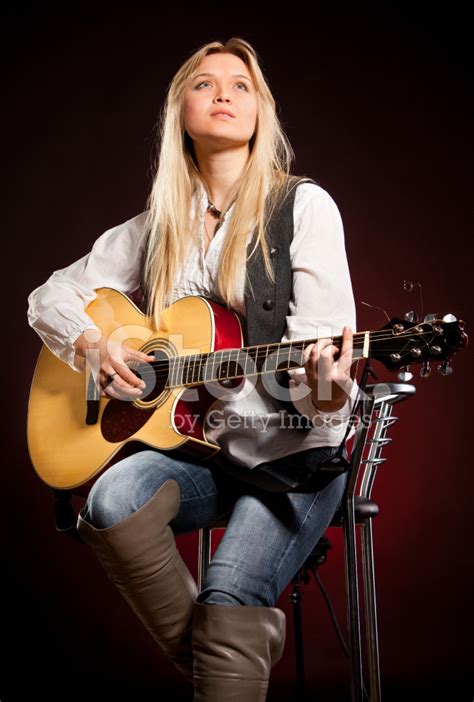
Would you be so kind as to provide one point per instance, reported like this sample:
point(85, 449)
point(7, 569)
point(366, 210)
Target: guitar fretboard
point(251, 360)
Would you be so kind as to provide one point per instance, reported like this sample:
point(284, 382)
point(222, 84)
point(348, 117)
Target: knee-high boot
point(234, 649)
point(140, 557)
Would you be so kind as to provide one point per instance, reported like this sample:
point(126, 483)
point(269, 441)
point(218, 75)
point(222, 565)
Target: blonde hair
point(264, 180)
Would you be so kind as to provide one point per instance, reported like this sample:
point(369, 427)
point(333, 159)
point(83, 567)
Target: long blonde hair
point(263, 182)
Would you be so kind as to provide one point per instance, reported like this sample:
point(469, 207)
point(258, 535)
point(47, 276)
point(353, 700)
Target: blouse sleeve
point(322, 301)
point(56, 308)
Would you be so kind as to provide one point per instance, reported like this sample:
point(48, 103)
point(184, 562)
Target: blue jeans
point(268, 536)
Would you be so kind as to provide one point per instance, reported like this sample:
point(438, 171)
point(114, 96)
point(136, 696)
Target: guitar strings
point(263, 349)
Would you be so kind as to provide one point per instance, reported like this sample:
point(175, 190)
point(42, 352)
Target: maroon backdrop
point(378, 108)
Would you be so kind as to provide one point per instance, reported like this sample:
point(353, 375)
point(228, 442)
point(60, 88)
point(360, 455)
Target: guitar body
point(67, 452)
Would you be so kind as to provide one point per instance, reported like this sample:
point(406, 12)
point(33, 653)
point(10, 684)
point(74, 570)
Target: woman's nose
point(222, 94)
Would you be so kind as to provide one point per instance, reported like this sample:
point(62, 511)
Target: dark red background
point(378, 107)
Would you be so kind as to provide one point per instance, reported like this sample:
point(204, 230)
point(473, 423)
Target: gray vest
point(267, 303)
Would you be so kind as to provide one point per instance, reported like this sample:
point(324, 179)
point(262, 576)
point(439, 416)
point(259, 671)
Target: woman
point(226, 221)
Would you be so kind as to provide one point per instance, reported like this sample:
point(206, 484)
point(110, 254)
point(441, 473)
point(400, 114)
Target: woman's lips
point(222, 115)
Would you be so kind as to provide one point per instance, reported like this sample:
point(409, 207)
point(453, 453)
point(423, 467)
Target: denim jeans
point(268, 536)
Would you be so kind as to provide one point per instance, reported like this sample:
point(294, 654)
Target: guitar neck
point(250, 360)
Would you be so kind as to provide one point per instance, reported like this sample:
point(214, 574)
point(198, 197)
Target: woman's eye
point(206, 81)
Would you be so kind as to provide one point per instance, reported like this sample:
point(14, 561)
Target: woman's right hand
point(115, 377)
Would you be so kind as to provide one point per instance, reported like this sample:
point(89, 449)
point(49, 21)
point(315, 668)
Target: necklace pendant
point(213, 209)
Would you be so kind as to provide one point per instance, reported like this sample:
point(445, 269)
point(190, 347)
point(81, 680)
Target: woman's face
point(226, 86)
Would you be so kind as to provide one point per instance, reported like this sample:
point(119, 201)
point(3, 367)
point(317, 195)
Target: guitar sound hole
point(121, 419)
point(155, 376)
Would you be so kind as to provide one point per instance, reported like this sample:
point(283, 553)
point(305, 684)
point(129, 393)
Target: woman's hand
point(114, 376)
point(330, 380)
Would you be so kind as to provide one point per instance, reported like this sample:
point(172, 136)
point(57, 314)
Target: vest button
point(268, 305)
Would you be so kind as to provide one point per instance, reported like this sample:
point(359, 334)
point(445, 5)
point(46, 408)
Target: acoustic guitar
point(74, 433)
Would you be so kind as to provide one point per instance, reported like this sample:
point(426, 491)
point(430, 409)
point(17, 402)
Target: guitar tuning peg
point(405, 375)
point(411, 316)
point(445, 368)
point(431, 317)
point(425, 370)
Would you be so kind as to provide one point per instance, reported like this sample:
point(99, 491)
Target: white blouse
point(250, 427)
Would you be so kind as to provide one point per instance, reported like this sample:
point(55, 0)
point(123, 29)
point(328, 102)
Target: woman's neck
point(220, 171)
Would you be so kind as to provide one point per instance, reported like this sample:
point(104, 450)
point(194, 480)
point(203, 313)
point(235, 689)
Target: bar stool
point(372, 418)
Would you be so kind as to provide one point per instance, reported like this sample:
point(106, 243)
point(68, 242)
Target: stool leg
point(204, 555)
point(295, 598)
point(353, 611)
point(371, 611)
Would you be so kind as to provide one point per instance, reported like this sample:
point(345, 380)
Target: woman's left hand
point(330, 381)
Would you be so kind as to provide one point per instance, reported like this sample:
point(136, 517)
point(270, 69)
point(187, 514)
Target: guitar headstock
point(402, 343)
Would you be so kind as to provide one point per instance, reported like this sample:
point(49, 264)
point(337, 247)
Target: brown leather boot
point(234, 648)
point(140, 557)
